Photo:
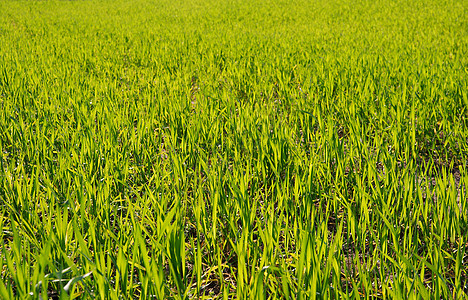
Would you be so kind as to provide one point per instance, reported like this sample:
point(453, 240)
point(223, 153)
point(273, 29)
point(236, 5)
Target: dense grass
point(234, 149)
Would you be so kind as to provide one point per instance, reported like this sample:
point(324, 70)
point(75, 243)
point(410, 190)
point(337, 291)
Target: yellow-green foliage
point(234, 149)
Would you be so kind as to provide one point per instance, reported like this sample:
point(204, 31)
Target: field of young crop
point(234, 149)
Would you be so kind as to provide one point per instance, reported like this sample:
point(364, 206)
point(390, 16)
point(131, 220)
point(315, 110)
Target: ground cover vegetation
point(234, 149)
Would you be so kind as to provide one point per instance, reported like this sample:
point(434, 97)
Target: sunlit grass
point(234, 149)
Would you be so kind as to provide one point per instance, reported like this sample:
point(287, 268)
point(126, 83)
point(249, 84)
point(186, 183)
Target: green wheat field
point(229, 149)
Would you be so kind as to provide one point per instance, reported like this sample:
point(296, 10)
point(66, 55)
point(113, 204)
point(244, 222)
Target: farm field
point(234, 149)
